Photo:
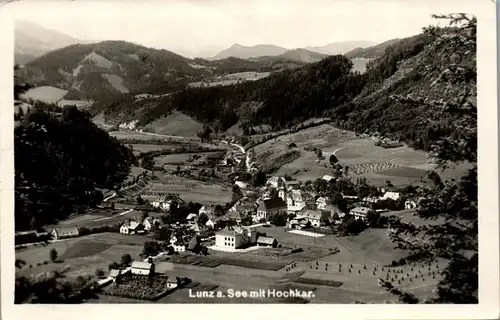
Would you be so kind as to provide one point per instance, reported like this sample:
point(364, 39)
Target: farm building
point(271, 207)
point(361, 212)
point(236, 237)
point(297, 223)
point(235, 215)
point(315, 217)
point(149, 222)
point(62, 233)
point(131, 227)
point(267, 242)
point(142, 268)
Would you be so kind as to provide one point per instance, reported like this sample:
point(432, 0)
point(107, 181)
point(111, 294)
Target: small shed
point(267, 242)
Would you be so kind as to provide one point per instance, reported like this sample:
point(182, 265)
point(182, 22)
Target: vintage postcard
point(241, 153)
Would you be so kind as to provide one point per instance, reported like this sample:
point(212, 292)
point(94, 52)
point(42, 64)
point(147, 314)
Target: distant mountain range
point(32, 41)
point(371, 52)
point(262, 50)
point(341, 47)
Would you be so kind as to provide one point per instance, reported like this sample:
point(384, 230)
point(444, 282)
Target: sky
point(198, 26)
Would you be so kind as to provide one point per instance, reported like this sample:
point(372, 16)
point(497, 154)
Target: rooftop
point(141, 265)
point(270, 204)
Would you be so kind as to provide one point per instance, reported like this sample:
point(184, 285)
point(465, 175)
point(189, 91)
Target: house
point(371, 199)
point(245, 206)
point(191, 218)
point(63, 233)
point(171, 284)
point(236, 216)
point(210, 224)
point(142, 268)
point(315, 217)
point(267, 242)
point(131, 227)
point(276, 181)
point(179, 246)
point(236, 237)
point(361, 212)
point(322, 202)
point(271, 207)
point(173, 239)
point(410, 204)
point(196, 228)
point(390, 195)
point(207, 209)
point(193, 243)
point(241, 184)
point(295, 198)
point(150, 222)
point(160, 204)
point(292, 185)
point(328, 178)
point(297, 223)
point(334, 210)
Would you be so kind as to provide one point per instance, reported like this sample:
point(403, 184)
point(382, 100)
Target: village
point(282, 226)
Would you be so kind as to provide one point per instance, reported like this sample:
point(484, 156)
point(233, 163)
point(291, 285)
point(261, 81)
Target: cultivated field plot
point(81, 256)
point(189, 190)
point(91, 220)
point(231, 79)
point(401, 166)
point(249, 279)
point(176, 124)
point(45, 93)
point(138, 148)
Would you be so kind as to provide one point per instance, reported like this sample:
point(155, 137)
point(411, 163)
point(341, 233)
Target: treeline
point(60, 161)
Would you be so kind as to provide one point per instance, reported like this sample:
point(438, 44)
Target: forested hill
point(61, 161)
point(415, 66)
point(109, 69)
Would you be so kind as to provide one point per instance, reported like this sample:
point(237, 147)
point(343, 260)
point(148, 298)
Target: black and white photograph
point(251, 152)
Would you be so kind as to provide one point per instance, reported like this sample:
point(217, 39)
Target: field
point(96, 220)
point(230, 79)
point(189, 190)
point(81, 256)
point(176, 124)
point(45, 93)
point(401, 166)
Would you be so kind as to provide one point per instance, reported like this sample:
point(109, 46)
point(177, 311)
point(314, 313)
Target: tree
point(99, 273)
point(319, 153)
point(436, 179)
point(202, 219)
point(455, 201)
point(258, 179)
point(53, 255)
point(139, 200)
point(333, 160)
point(279, 219)
point(126, 259)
